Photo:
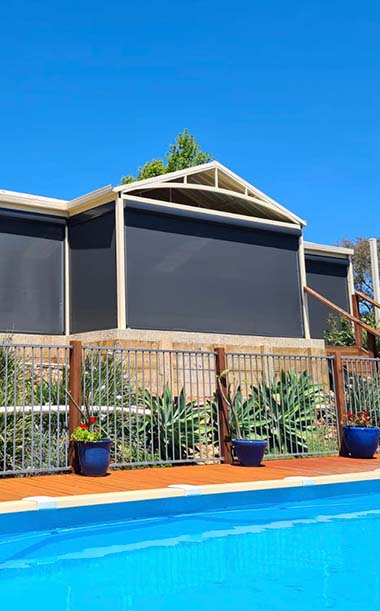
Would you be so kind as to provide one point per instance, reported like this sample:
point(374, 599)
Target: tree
point(184, 153)
point(362, 264)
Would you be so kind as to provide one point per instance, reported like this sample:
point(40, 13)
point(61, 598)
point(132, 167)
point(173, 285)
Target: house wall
point(329, 277)
point(31, 273)
point(93, 290)
point(188, 272)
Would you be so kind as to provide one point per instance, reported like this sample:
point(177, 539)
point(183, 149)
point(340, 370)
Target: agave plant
point(284, 411)
point(171, 425)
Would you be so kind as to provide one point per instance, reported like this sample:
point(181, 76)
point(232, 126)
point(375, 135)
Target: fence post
point(339, 398)
point(75, 386)
point(223, 408)
point(371, 345)
point(356, 313)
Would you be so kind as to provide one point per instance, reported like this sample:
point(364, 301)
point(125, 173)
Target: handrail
point(365, 297)
point(333, 306)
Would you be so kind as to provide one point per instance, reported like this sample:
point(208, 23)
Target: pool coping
point(38, 503)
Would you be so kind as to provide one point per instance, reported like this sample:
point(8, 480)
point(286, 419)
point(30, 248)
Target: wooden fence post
point(356, 313)
point(371, 345)
point(75, 387)
point(339, 398)
point(223, 407)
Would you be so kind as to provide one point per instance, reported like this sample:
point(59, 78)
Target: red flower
point(84, 426)
point(366, 412)
point(92, 419)
point(349, 414)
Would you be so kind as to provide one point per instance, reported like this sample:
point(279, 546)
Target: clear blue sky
point(285, 93)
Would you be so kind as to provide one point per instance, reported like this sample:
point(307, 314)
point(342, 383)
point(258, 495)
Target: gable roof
point(211, 186)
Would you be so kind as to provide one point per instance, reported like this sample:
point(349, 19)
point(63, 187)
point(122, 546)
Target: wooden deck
point(65, 485)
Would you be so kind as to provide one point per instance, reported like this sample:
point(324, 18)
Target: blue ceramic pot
point(361, 442)
point(94, 457)
point(249, 452)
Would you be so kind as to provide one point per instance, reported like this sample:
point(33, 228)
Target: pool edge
point(179, 490)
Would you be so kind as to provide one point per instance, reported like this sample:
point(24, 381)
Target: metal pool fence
point(34, 413)
point(362, 386)
point(288, 400)
point(164, 407)
point(157, 406)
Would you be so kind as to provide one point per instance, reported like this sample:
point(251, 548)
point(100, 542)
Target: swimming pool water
point(297, 555)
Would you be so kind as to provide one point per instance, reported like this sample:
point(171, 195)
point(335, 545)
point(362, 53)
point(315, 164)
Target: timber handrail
point(365, 297)
point(336, 308)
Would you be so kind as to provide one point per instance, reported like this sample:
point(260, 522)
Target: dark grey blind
point(327, 276)
point(93, 291)
point(31, 274)
point(196, 275)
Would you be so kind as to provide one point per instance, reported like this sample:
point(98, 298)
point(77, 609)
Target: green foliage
point(156, 167)
point(362, 266)
point(105, 380)
point(171, 426)
point(32, 440)
point(283, 411)
point(339, 331)
point(11, 378)
point(85, 435)
point(363, 394)
point(184, 153)
point(139, 457)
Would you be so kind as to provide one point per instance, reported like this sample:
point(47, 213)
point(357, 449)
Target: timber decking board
point(16, 488)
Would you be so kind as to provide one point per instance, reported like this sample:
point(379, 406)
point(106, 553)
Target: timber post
point(223, 407)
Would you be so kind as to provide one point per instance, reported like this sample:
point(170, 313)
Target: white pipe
point(375, 275)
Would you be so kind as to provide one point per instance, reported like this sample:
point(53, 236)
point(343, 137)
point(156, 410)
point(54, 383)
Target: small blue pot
point(361, 442)
point(94, 457)
point(249, 452)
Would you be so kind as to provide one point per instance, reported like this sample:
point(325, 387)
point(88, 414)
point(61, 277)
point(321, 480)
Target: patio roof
point(211, 186)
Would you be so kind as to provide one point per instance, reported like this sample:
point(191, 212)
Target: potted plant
point(360, 436)
point(92, 449)
point(249, 452)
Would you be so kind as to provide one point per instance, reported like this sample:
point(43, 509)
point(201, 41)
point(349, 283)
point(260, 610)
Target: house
point(195, 251)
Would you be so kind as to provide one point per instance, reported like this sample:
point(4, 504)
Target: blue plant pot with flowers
point(94, 457)
point(360, 437)
point(361, 441)
point(92, 450)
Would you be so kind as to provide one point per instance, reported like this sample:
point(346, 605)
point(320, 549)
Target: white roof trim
point(14, 197)
point(261, 194)
point(85, 201)
point(165, 177)
point(326, 249)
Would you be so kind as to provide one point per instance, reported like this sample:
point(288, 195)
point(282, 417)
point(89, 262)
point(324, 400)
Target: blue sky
point(287, 94)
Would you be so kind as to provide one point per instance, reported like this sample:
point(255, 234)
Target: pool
point(293, 549)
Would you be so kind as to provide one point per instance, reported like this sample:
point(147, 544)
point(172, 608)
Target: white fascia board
point(166, 177)
point(39, 203)
point(260, 194)
point(326, 249)
point(90, 200)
